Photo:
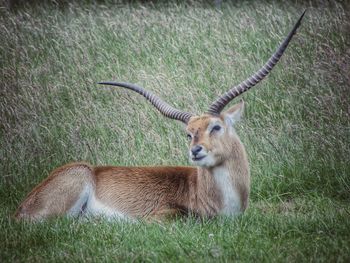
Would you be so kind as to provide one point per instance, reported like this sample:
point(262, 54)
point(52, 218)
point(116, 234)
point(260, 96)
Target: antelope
point(218, 185)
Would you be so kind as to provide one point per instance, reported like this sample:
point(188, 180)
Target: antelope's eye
point(215, 128)
point(189, 136)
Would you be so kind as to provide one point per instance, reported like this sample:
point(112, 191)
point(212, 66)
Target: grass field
point(296, 126)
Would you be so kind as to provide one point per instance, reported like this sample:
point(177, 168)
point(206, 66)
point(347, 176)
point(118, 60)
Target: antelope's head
point(210, 133)
point(212, 136)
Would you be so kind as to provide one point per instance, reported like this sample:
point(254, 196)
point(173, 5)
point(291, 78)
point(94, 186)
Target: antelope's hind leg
point(65, 192)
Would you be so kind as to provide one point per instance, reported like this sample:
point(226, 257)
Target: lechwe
point(219, 184)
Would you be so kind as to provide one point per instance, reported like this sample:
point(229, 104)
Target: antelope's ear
point(233, 114)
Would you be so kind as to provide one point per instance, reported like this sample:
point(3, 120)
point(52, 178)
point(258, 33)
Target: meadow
point(296, 125)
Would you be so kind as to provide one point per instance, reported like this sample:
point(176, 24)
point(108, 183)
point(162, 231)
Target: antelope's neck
point(224, 178)
point(227, 185)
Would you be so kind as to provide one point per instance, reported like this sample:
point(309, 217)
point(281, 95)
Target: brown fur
point(57, 193)
point(148, 192)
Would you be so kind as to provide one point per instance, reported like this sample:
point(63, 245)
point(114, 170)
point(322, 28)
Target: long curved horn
point(162, 106)
point(217, 106)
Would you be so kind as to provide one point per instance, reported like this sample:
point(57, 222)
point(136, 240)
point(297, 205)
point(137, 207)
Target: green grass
point(296, 126)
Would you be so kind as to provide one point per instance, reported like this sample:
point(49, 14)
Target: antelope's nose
point(196, 149)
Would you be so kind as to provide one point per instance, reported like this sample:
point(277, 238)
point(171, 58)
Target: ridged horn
point(217, 106)
point(163, 107)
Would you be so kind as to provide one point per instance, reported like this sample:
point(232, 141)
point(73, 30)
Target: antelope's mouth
point(198, 158)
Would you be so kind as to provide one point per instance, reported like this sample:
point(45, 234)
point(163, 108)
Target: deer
point(217, 184)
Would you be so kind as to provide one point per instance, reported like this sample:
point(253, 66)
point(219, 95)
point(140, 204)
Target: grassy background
point(296, 127)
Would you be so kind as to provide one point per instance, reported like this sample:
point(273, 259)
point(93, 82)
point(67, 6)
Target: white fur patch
point(93, 206)
point(83, 198)
point(207, 161)
point(231, 199)
point(96, 208)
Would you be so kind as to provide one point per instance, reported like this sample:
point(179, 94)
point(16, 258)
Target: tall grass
point(296, 126)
